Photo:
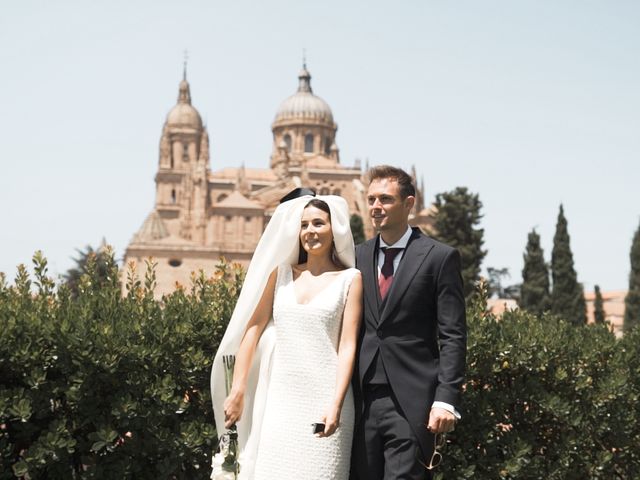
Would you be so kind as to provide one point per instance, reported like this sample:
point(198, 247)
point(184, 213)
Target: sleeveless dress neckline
point(321, 291)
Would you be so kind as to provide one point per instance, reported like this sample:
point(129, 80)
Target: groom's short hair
point(405, 182)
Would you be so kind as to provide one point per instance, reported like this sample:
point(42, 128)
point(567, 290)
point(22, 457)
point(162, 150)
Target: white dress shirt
point(402, 243)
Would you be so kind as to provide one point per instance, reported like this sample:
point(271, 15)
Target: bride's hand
point(233, 406)
point(331, 422)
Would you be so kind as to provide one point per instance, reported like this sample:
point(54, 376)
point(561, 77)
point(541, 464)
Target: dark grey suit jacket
point(419, 330)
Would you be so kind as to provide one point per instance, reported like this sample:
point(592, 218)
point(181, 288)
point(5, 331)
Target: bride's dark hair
point(320, 205)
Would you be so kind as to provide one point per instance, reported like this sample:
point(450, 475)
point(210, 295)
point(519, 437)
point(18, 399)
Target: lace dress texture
point(302, 386)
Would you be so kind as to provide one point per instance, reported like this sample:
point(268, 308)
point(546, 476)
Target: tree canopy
point(632, 300)
point(567, 296)
point(457, 224)
point(534, 294)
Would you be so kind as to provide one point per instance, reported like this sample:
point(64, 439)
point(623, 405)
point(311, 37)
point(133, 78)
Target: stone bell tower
point(181, 181)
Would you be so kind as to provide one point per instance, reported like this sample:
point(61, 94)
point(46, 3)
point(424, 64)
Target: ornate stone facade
point(201, 215)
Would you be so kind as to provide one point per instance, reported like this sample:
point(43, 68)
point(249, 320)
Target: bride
point(293, 332)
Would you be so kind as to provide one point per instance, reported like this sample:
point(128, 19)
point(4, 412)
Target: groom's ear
point(409, 202)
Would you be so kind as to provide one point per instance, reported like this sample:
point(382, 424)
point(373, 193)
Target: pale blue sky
point(528, 103)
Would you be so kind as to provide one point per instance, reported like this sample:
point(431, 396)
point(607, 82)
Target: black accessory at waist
point(377, 388)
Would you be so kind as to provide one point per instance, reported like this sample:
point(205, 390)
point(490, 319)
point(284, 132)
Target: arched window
point(173, 195)
point(287, 140)
point(327, 145)
point(308, 143)
point(185, 151)
point(337, 192)
point(324, 191)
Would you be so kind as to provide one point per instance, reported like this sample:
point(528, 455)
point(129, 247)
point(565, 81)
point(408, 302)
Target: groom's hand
point(441, 420)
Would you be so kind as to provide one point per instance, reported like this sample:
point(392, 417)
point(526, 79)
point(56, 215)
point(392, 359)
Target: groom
point(412, 345)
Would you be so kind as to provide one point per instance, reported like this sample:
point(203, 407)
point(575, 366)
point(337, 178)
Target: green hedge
point(546, 400)
point(97, 385)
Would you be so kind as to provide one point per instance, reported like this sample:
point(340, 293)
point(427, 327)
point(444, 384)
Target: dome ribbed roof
point(304, 105)
point(152, 229)
point(184, 114)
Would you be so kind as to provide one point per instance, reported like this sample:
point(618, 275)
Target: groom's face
point(388, 211)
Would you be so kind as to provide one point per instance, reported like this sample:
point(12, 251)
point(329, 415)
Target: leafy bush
point(101, 385)
point(546, 400)
point(98, 385)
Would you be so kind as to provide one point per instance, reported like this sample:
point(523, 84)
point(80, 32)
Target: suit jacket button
point(379, 333)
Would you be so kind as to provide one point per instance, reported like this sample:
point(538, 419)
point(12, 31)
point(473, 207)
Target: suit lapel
point(370, 275)
point(417, 250)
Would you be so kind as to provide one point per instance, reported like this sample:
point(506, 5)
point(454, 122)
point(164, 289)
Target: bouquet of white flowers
point(225, 464)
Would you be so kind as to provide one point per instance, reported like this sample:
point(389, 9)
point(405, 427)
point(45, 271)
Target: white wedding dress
point(302, 386)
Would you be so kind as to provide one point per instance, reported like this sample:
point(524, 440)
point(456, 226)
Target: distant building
point(613, 305)
point(498, 306)
point(201, 215)
point(612, 302)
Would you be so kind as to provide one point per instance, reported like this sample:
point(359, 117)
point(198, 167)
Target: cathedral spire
point(304, 78)
point(184, 66)
point(242, 185)
point(184, 95)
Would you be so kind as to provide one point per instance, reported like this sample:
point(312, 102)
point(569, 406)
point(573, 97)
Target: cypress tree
point(598, 306)
point(567, 296)
point(534, 294)
point(632, 300)
point(357, 228)
point(456, 224)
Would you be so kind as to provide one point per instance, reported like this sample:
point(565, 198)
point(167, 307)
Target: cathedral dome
point(304, 105)
point(152, 229)
point(184, 114)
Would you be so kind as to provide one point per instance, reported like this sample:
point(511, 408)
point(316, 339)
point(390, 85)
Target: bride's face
point(316, 235)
